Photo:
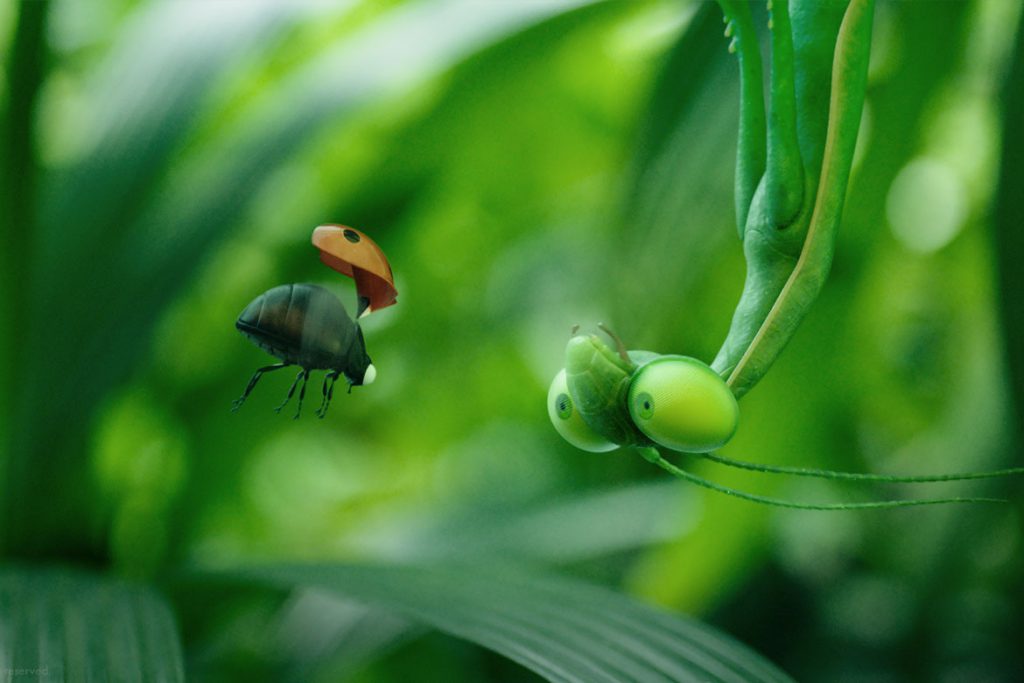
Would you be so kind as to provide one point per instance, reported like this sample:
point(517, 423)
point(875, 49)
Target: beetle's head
point(358, 367)
point(361, 373)
point(370, 374)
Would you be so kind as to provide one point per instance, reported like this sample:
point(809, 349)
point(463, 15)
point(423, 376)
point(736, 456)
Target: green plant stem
point(849, 76)
point(771, 244)
point(652, 455)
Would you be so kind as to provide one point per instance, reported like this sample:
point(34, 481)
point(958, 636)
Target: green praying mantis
point(792, 169)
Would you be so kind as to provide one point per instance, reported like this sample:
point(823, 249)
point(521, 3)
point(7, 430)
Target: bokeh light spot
point(926, 205)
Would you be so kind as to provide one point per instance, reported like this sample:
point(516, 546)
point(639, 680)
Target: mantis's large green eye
point(682, 404)
point(567, 420)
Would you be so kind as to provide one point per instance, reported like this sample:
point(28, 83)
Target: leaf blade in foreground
point(562, 629)
point(61, 624)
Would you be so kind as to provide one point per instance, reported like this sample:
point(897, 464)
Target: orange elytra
point(353, 253)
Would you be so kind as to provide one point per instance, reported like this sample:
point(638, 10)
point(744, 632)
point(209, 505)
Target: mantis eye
point(568, 421)
point(682, 404)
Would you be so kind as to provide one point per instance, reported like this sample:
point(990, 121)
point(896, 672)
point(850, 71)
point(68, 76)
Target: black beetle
point(306, 325)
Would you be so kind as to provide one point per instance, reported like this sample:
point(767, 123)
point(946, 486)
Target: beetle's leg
point(291, 392)
point(330, 389)
point(323, 401)
point(302, 392)
point(331, 377)
point(237, 403)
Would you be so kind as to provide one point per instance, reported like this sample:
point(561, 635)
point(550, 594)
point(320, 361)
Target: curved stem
point(772, 249)
point(857, 476)
point(805, 282)
point(652, 455)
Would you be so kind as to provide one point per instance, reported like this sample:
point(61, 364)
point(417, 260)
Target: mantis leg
point(784, 176)
point(750, 153)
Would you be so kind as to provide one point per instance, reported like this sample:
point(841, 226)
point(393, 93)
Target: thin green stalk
point(856, 476)
point(652, 455)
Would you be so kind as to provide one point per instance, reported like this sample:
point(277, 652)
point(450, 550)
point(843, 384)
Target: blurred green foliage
point(526, 167)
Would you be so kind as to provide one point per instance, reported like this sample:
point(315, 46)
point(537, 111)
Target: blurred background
point(526, 166)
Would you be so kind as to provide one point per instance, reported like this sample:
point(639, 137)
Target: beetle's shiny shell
point(301, 324)
point(353, 253)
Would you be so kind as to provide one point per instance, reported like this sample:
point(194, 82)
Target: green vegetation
point(526, 167)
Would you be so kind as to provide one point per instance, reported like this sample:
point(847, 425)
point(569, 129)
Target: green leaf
point(562, 629)
point(570, 528)
point(1008, 220)
point(679, 188)
point(127, 228)
point(25, 66)
point(76, 331)
point(60, 624)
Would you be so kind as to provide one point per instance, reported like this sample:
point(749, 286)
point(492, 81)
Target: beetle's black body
point(307, 326)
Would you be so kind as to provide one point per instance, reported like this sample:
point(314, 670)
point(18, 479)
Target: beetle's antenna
point(618, 342)
point(363, 307)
